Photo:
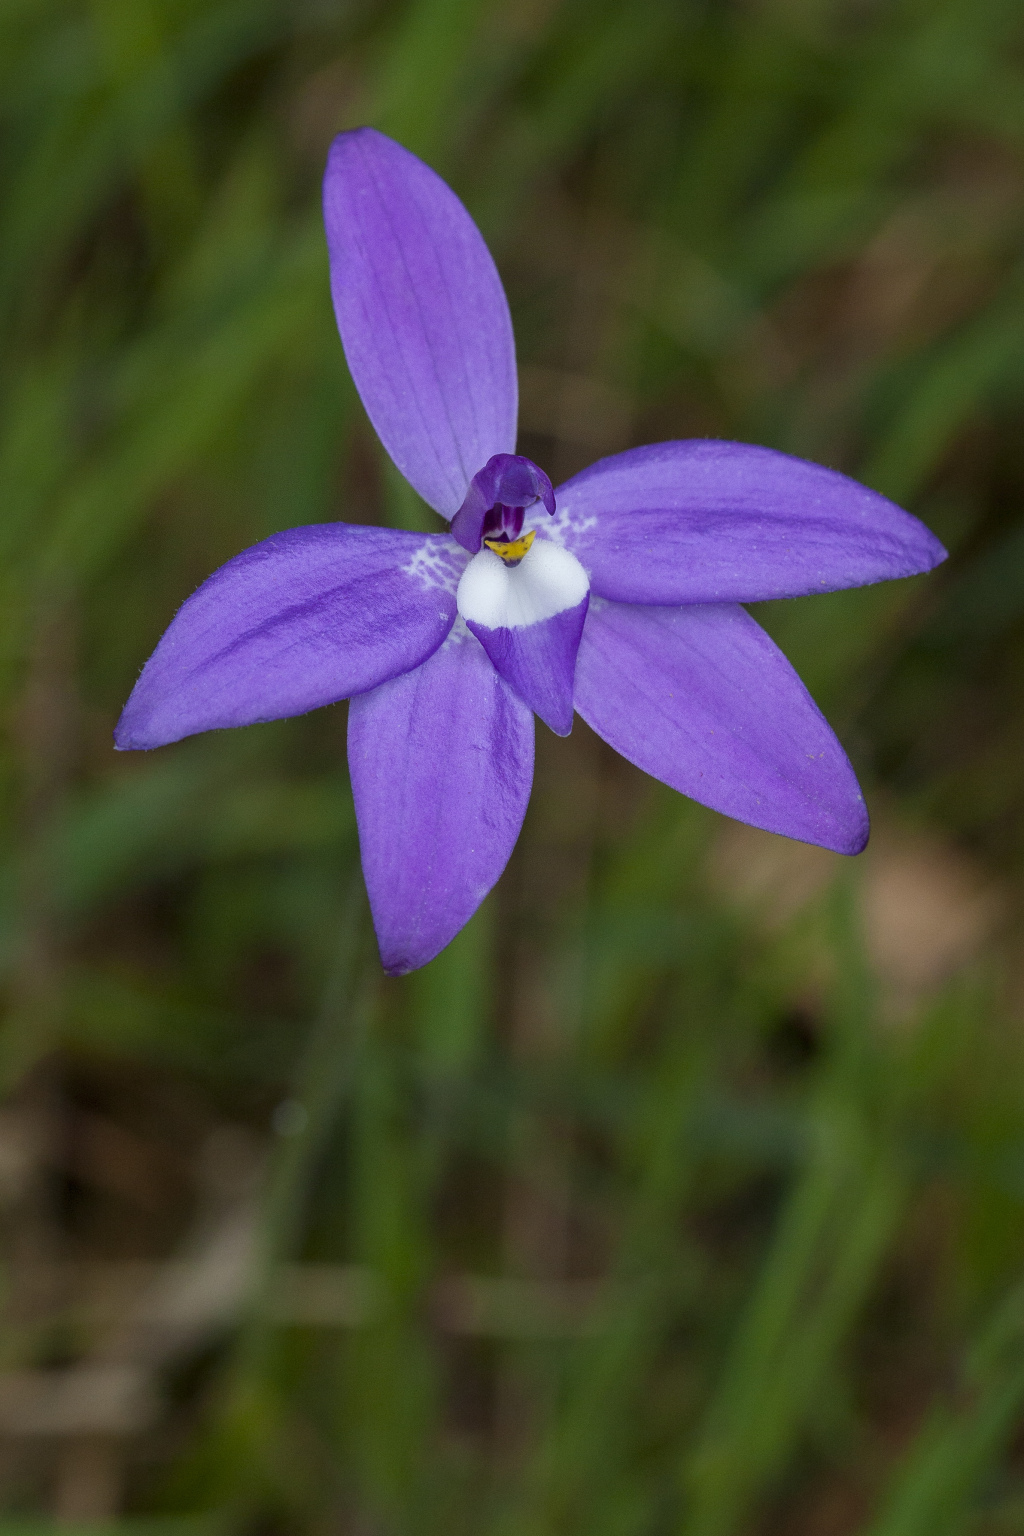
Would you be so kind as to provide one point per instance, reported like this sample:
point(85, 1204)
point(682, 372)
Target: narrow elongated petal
point(307, 617)
point(422, 314)
point(702, 699)
point(706, 521)
point(441, 762)
point(529, 619)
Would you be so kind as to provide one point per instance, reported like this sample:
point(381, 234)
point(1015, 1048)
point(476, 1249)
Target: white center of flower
point(547, 580)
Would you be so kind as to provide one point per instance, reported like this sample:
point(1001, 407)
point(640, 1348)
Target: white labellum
point(547, 581)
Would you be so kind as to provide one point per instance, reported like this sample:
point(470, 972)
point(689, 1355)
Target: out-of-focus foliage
point(685, 1191)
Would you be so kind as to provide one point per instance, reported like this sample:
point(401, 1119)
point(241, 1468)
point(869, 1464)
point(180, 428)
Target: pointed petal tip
point(401, 967)
point(848, 838)
point(922, 551)
point(556, 723)
point(133, 735)
point(560, 727)
point(399, 963)
point(140, 741)
point(143, 726)
point(848, 841)
point(845, 825)
point(857, 839)
point(363, 138)
point(936, 552)
point(842, 829)
point(362, 131)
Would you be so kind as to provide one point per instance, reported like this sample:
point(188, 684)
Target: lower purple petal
point(441, 762)
point(539, 660)
point(308, 617)
point(702, 699)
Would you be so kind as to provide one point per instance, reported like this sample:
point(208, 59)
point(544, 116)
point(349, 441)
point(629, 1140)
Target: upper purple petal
point(702, 699)
point(707, 521)
point(308, 617)
point(422, 314)
point(441, 762)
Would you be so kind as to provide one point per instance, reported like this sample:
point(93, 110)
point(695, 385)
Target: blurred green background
point(685, 1192)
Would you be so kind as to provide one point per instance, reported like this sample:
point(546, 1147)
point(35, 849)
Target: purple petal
point(441, 762)
point(708, 521)
point(422, 314)
point(308, 617)
point(700, 698)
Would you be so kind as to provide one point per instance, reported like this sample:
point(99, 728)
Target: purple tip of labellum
point(539, 660)
point(506, 480)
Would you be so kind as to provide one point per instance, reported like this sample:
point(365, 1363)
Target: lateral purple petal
point(539, 660)
point(707, 521)
point(310, 616)
point(422, 315)
point(441, 762)
point(702, 699)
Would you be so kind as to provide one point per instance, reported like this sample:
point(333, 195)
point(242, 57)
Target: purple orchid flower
point(617, 595)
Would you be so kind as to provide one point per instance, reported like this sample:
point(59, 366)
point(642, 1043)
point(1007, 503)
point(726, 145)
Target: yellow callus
point(513, 551)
